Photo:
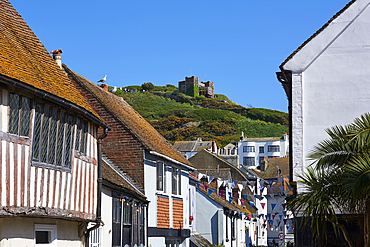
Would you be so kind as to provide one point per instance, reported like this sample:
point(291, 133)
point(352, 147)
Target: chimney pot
point(57, 56)
point(104, 87)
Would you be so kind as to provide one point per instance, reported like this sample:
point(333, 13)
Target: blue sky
point(237, 44)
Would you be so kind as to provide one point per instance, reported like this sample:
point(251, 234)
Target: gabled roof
point(25, 60)
point(114, 176)
point(205, 159)
point(316, 33)
point(135, 123)
point(272, 168)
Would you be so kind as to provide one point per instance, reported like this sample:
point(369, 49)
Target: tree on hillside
point(343, 160)
point(148, 86)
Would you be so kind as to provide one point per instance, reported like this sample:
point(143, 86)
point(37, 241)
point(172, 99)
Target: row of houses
point(80, 167)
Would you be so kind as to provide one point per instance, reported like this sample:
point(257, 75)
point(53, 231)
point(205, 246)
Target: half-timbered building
point(49, 147)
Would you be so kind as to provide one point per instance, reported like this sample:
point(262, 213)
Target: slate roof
point(207, 160)
point(23, 58)
point(137, 125)
point(317, 33)
point(222, 202)
point(192, 146)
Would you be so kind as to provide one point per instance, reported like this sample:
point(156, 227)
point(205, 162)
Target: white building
point(326, 81)
point(252, 151)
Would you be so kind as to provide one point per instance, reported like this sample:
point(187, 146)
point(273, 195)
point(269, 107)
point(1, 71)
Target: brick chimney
point(57, 56)
point(104, 87)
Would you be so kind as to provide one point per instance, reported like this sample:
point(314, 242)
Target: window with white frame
point(248, 161)
point(53, 136)
point(260, 160)
point(261, 149)
point(19, 114)
point(274, 148)
point(45, 235)
point(176, 181)
point(248, 149)
point(161, 176)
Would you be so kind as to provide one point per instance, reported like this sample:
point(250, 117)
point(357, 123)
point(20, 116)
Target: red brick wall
point(120, 146)
point(178, 214)
point(163, 212)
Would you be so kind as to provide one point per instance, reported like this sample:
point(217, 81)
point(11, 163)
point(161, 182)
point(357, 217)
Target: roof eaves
point(316, 33)
point(124, 177)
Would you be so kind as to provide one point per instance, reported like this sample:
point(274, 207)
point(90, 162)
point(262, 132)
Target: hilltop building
point(205, 88)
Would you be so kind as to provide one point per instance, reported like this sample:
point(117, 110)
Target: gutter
point(172, 160)
point(285, 77)
point(100, 181)
point(53, 98)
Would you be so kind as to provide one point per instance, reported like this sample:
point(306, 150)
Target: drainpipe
point(100, 181)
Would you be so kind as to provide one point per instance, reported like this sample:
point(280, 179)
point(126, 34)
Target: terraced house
point(158, 171)
point(49, 146)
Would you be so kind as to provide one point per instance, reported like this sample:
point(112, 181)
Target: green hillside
point(183, 121)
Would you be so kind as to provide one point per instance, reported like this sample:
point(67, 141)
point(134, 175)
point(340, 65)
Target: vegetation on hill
point(183, 121)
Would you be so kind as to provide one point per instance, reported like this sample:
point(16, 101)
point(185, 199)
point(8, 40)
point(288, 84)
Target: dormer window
point(19, 114)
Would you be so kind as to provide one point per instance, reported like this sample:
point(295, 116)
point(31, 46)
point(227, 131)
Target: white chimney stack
point(57, 56)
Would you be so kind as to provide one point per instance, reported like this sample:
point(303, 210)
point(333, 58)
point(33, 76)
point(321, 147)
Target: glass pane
point(45, 134)
point(60, 138)
point(159, 176)
point(53, 135)
point(174, 180)
point(83, 137)
point(37, 134)
point(68, 142)
point(25, 116)
point(43, 237)
point(78, 135)
point(14, 113)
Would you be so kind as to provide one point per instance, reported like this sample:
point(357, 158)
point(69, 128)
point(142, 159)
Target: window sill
point(52, 167)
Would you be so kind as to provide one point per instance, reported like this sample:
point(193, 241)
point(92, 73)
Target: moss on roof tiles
point(138, 126)
point(24, 58)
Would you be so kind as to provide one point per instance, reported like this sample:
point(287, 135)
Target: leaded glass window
point(19, 115)
point(81, 136)
point(52, 140)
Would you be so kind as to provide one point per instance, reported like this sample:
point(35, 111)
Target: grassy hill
point(190, 119)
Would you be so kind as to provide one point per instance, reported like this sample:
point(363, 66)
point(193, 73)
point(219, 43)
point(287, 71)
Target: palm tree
point(341, 164)
point(319, 202)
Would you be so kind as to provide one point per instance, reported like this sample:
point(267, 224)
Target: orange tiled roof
point(24, 58)
point(317, 33)
point(137, 125)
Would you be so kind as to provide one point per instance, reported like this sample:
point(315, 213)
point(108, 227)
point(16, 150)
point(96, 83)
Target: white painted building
point(252, 151)
point(327, 80)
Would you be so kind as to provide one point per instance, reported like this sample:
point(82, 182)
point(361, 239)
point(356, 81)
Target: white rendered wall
point(106, 214)
point(207, 213)
point(330, 80)
point(20, 231)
